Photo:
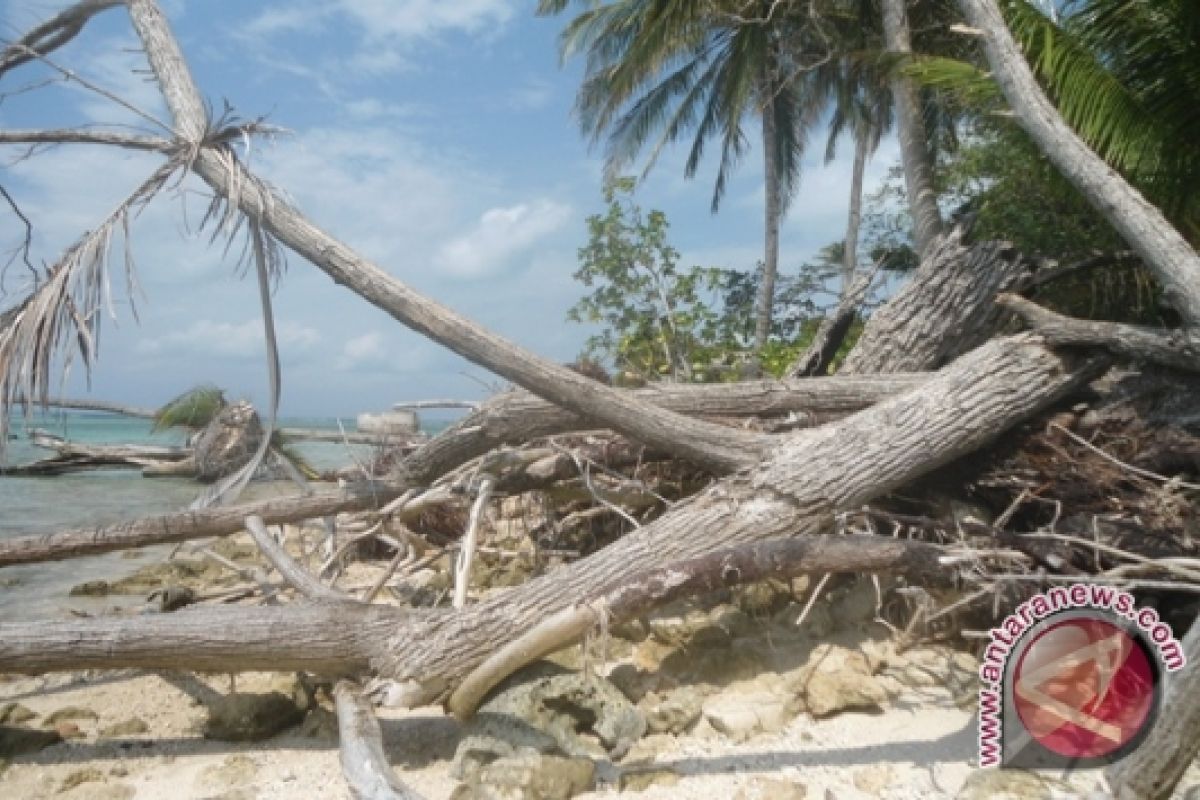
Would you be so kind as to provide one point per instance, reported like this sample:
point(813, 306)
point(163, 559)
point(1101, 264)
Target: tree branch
point(629, 597)
point(53, 33)
point(364, 763)
point(77, 136)
point(287, 568)
point(1178, 348)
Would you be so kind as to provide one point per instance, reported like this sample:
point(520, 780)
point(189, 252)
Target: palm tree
point(914, 154)
point(859, 90)
point(659, 70)
point(1124, 74)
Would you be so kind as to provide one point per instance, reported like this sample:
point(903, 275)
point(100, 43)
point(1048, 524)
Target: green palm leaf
point(192, 410)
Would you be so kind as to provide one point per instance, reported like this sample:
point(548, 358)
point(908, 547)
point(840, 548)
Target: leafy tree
point(697, 324)
point(653, 316)
point(1124, 74)
point(658, 71)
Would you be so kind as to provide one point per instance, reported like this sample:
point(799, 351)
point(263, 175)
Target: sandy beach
point(138, 735)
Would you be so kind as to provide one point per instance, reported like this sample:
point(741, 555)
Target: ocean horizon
point(106, 496)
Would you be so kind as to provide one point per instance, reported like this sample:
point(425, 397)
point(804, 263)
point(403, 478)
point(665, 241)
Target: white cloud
point(363, 349)
point(385, 26)
point(420, 19)
point(235, 340)
point(500, 234)
point(532, 95)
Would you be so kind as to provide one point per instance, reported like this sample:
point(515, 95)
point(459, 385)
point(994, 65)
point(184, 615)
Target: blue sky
point(436, 138)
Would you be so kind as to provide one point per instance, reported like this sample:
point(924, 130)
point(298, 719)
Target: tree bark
point(772, 212)
point(910, 129)
point(1162, 248)
point(809, 476)
point(945, 309)
point(508, 419)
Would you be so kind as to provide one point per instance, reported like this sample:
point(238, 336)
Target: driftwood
point(844, 464)
point(74, 457)
point(510, 418)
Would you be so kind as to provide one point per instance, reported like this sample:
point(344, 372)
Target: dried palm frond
point(65, 305)
point(266, 252)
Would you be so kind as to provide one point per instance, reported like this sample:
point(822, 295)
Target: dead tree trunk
point(944, 310)
point(810, 475)
point(817, 359)
point(507, 419)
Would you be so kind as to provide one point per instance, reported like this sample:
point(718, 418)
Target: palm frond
point(971, 85)
point(192, 410)
point(61, 316)
point(264, 250)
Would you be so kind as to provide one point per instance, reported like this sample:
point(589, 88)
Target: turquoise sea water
point(35, 505)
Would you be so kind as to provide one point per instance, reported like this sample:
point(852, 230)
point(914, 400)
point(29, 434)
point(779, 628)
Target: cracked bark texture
point(944, 310)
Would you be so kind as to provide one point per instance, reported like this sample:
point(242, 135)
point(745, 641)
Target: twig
point(585, 473)
point(1164, 564)
point(345, 547)
point(71, 75)
point(1145, 473)
point(27, 240)
point(53, 33)
point(404, 555)
point(288, 569)
point(1132, 583)
point(462, 566)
